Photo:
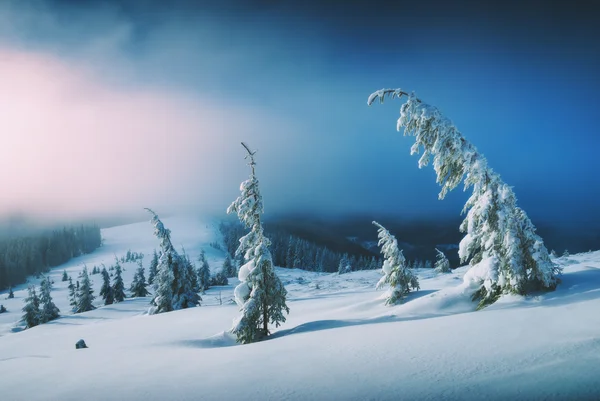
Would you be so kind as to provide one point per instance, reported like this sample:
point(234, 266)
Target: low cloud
point(73, 144)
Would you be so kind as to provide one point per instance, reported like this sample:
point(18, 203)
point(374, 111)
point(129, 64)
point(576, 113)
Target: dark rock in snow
point(80, 344)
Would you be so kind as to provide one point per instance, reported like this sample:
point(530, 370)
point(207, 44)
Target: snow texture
point(334, 346)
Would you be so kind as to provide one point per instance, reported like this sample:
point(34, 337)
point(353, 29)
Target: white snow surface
point(339, 342)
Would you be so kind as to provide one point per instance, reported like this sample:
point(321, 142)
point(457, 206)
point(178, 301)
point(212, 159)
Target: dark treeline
point(354, 234)
point(35, 254)
point(291, 251)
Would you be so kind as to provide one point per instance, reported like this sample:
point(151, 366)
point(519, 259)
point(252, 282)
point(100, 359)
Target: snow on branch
point(381, 94)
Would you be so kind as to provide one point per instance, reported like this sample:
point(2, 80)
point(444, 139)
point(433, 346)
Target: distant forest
point(291, 251)
point(35, 254)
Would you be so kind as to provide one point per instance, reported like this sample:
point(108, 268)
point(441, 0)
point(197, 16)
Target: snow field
point(339, 341)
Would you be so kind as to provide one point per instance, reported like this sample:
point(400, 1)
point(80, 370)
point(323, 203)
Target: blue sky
point(292, 79)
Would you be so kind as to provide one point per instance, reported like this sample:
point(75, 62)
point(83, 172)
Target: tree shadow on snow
point(226, 339)
point(319, 325)
point(73, 320)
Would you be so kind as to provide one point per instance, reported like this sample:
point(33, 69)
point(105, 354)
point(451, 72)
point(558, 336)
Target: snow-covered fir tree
point(428, 264)
point(85, 294)
point(138, 285)
point(64, 276)
point(31, 310)
point(11, 294)
point(72, 295)
point(172, 285)
point(192, 274)
point(442, 264)
point(48, 310)
point(203, 272)
point(260, 294)
point(106, 291)
point(500, 242)
point(118, 286)
point(187, 296)
point(566, 254)
point(400, 279)
point(228, 268)
point(153, 268)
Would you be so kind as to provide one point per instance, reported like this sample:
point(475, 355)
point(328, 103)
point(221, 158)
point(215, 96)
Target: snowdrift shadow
point(113, 309)
point(220, 340)
point(579, 286)
point(25, 356)
point(326, 295)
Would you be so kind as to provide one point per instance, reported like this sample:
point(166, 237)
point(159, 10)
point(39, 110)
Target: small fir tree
point(118, 285)
point(48, 311)
point(85, 294)
point(106, 291)
point(344, 265)
point(31, 310)
point(192, 275)
point(138, 285)
point(228, 268)
point(64, 276)
point(442, 264)
point(153, 268)
point(11, 294)
point(203, 272)
point(260, 294)
point(72, 295)
point(400, 279)
point(219, 279)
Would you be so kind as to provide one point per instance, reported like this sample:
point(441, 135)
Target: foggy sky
point(109, 107)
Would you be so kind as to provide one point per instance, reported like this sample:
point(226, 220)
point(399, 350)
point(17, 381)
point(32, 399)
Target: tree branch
point(251, 155)
point(381, 93)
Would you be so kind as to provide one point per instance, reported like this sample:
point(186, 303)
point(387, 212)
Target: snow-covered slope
point(339, 343)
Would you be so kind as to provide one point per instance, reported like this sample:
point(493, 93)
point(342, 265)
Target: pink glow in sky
point(72, 144)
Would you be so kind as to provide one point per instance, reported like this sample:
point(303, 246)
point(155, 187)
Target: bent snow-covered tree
point(260, 294)
point(395, 272)
point(500, 242)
